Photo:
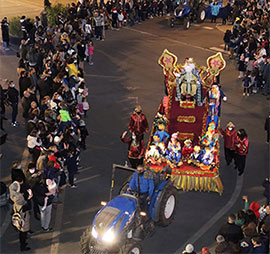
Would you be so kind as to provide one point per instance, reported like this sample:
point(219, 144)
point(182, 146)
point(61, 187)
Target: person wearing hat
point(205, 250)
point(229, 135)
point(138, 121)
point(189, 249)
point(222, 246)
point(20, 204)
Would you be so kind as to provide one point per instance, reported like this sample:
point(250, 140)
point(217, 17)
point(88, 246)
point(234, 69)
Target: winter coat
point(13, 95)
point(266, 185)
point(5, 30)
point(20, 204)
point(242, 146)
point(231, 232)
point(223, 248)
point(24, 83)
point(227, 37)
point(16, 174)
point(32, 142)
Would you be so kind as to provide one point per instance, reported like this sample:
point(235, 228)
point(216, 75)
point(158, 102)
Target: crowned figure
point(189, 84)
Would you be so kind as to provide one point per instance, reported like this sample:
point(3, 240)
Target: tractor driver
point(145, 189)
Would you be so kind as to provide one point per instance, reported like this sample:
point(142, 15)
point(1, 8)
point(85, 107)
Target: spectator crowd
point(247, 231)
point(248, 43)
point(53, 96)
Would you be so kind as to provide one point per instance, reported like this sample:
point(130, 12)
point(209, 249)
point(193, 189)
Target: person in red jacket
point(135, 148)
point(229, 135)
point(138, 122)
point(242, 144)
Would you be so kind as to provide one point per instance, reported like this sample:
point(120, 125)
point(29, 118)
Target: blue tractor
point(121, 225)
point(188, 11)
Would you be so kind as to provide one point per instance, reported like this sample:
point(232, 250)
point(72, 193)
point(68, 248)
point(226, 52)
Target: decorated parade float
point(184, 136)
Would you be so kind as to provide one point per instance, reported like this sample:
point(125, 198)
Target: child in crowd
point(90, 53)
point(247, 83)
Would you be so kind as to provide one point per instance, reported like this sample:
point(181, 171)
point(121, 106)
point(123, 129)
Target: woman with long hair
point(242, 144)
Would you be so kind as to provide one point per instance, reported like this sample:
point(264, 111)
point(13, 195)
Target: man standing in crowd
point(5, 33)
point(13, 98)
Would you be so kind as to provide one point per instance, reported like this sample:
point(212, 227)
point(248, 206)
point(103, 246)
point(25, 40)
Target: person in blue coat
point(214, 12)
point(145, 188)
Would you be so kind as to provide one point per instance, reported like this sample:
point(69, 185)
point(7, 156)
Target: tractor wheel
point(201, 15)
point(186, 23)
point(85, 241)
point(167, 206)
point(171, 22)
point(132, 248)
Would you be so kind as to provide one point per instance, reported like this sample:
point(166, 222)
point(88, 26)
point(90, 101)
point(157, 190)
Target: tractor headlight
point(108, 236)
point(94, 233)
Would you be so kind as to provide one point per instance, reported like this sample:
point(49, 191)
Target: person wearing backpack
point(21, 215)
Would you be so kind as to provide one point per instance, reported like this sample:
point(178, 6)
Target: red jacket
point(229, 138)
point(56, 164)
point(138, 122)
point(135, 151)
point(242, 146)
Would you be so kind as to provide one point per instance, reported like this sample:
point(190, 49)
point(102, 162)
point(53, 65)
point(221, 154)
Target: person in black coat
point(5, 33)
point(226, 39)
point(230, 231)
point(13, 98)
point(225, 13)
point(266, 185)
point(267, 128)
point(44, 87)
point(17, 172)
point(24, 82)
point(72, 168)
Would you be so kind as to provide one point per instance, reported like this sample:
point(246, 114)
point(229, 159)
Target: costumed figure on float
point(184, 135)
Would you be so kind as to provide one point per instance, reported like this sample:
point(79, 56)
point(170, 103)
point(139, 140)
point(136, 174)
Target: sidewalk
point(13, 8)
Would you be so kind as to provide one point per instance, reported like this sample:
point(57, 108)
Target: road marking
point(57, 225)
point(59, 218)
point(171, 40)
point(131, 88)
point(219, 50)
point(217, 216)
point(208, 27)
point(7, 219)
point(102, 76)
point(134, 98)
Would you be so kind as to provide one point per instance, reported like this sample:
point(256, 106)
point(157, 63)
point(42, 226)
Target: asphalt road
point(126, 73)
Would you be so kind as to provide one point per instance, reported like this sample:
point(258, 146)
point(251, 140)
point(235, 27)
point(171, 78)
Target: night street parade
point(135, 126)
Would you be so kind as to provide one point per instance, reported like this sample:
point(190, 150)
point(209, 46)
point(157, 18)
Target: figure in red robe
point(138, 122)
point(229, 135)
point(187, 150)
